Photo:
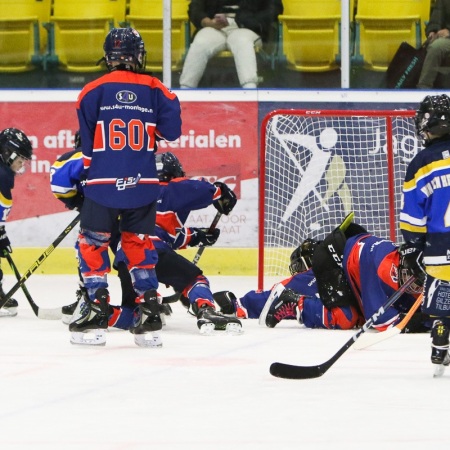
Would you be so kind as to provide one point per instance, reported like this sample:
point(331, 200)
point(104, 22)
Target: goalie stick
point(48, 314)
point(293, 372)
point(39, 261)
point(175, 297)
point(370, 339)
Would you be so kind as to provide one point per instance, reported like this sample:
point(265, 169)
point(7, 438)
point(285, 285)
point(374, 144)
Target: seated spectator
point(438, 50)
point(240, 26)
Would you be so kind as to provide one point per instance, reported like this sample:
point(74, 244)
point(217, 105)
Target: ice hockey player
point(178, 197)
point(121, 115)
point(15, 151)
point(368, 278)
point(424, 219)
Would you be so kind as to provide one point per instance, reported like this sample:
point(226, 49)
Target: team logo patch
point(126, 97)
point(127, 182)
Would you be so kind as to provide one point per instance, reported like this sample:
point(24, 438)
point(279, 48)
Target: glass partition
point(311, 44)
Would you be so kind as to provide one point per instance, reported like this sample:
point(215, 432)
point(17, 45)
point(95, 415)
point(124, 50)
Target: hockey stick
point(292, 372)
point(49, 314)
point(40, 260)
point(175, 297)
point(373, 338)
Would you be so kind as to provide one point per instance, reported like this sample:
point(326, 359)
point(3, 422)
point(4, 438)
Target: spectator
point(240, 26)
point(438, 50)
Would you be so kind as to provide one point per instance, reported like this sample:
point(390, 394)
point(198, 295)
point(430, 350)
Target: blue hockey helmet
point(124, 48)
point(14, 143)
point(433, 118)
point(168, 166)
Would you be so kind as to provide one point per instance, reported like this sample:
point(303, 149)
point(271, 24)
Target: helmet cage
point(14, 143)
point(301, 257)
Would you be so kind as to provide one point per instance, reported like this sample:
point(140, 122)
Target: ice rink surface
point(210, 393)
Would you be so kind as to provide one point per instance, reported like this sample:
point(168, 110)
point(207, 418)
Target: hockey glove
point(227, 200)
point(5, 245)
point(201, 236)
point(74, 203)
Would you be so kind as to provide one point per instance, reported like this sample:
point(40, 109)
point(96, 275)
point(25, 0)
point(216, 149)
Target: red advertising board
point(219, 142)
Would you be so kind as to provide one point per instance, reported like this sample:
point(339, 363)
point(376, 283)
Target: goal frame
point(388, 114)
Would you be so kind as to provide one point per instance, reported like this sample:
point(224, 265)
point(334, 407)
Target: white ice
point(210, 393)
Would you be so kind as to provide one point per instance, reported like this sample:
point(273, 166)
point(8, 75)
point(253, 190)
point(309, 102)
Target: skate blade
point(8, 312)
point(231, 329)
point(439, 370)
point(93, 338)
point(151, 340)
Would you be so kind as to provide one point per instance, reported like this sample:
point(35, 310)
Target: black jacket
point(440, 17)
point(256, 15)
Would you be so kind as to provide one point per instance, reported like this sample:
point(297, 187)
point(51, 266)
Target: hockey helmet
point(123, 47)
point(168, 166)
point(411, 265)
point(301, 257)
point(433, 117)
point(14, 143)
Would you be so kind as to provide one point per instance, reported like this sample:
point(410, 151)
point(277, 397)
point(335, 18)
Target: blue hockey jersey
point(121, 115)
point(6, 186)
point(424, 218)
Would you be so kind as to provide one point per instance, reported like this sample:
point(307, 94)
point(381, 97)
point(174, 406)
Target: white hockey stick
point(369, 339)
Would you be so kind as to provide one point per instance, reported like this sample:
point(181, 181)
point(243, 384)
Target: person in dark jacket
point(240, 26)
point(438, 49)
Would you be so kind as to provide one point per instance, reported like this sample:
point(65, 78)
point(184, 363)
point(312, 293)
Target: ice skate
point(147, 322)
point(439, 347)
point(68, 310)
point(90, 320)
point(281, 307)
point(9, 309)
point(209, 321)
point(229, 304)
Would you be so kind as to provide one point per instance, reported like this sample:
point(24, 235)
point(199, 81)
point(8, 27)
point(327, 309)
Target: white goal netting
point(318, 166)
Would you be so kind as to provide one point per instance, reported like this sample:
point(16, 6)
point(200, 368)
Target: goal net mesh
point(316, 167)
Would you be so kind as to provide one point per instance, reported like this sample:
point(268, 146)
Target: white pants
point(209, 41)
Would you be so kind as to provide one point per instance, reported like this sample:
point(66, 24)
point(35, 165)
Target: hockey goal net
point(318, 166)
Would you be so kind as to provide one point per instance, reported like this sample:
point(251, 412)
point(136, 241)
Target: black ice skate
point(209, 321)
point(147, 322)
point(9, 309)
point(282, 304)
point(90, 320)
point(68, 310)
point(439, 347)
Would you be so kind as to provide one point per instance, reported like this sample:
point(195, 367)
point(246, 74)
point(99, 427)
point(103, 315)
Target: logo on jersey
point(127, 182)
point(126, 97)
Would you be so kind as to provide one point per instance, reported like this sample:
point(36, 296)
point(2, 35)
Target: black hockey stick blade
point(41, 313)
point(293, 372)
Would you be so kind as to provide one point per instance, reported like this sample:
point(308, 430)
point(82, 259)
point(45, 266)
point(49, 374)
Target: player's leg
point(141, 257)
point(9, 309)
point(436, 293)
point(91, 315)
point(187, 278)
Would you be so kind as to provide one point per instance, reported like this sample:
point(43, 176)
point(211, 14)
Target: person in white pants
point(235, 25)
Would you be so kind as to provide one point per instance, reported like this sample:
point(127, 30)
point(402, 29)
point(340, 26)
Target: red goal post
point(316, 166)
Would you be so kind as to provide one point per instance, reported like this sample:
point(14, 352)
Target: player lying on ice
point(320, 294)
point(178, 197)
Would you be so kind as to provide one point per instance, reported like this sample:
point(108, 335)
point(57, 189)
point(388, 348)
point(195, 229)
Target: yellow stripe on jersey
point(414, 228)
point(425, 171)
point(5, 202)
point(441, 272)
